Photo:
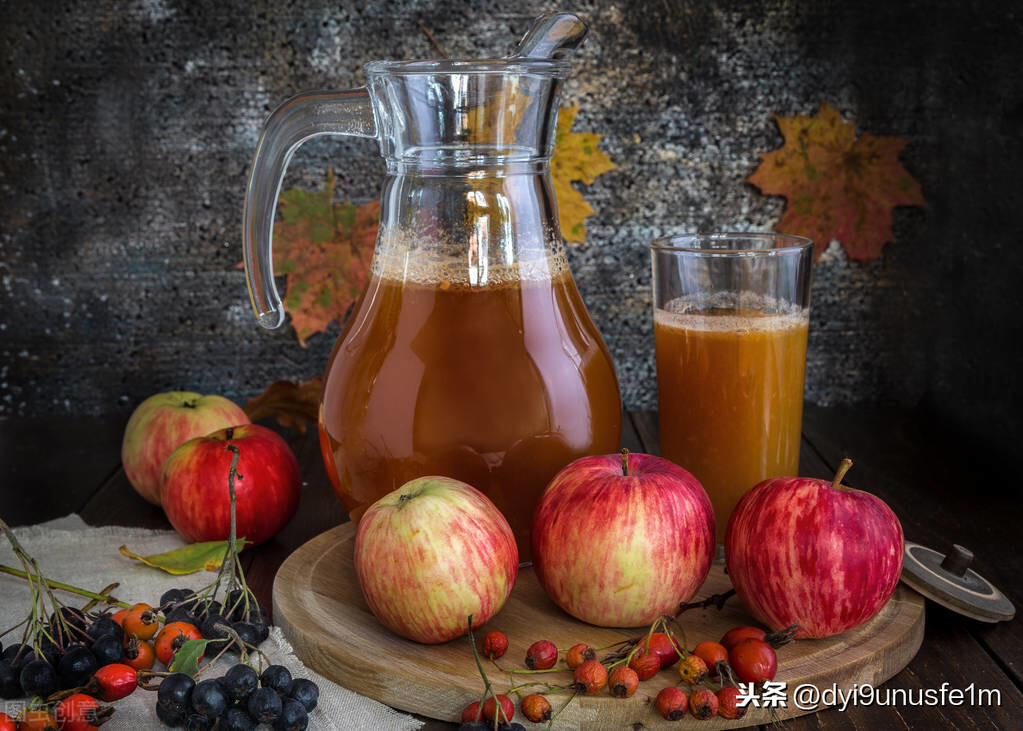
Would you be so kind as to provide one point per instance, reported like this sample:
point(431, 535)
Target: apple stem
point(842, 469)
point(625, 462)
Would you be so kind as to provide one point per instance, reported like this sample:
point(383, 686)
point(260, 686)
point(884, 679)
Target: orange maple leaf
point(325, 249)
point(838, 186)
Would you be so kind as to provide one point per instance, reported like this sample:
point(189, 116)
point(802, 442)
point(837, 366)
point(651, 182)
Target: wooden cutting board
point(318, 604)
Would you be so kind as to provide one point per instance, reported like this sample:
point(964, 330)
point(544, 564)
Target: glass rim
point(537, 66)
point(796, 244)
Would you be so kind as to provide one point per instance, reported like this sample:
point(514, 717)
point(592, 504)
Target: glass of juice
point(731, 313)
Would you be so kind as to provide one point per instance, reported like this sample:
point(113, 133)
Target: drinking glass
point(731, 314)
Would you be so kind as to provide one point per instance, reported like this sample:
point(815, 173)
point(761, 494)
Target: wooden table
point(943, 489)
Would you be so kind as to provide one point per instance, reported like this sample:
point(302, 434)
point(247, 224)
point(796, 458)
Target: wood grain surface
point(318, 604)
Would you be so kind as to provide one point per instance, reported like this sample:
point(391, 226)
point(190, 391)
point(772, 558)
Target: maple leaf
point(293, 404)
point(837, 185)
point(576, 157)
point(325, 249)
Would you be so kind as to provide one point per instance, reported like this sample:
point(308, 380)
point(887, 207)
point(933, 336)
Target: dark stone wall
point(126, 131)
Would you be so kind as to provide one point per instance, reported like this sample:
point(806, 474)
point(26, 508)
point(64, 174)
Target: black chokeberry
point(209, 698)
point(240, 681)
point(293, 716)
point(71, 629)
point(76, 667)
point(11, 651)
point(264, 705)
point(248, 634)
point(38, 678)
point(305, 692)
point(108, 649)
point(205, 609)
point(10, 684)
point(174, 596)
point(209, 629)
point(278, 678)
point(236, 719)
point(181, 614)
point(475, 726)
point(196, 721)
point(105, 627)
point(176, 688)
point(172, 714)
point(234, 607)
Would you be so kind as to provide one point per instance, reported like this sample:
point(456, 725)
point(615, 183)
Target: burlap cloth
point(69, 551)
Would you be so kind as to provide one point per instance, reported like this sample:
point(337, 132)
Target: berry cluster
point(240, 700)
point(711, 671)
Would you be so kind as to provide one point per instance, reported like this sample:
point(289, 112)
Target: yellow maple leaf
point(576, 157)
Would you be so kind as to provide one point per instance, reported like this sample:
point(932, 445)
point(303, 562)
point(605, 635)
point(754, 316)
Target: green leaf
point(186, 659)
point(188, 559)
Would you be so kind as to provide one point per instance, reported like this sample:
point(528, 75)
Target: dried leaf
point(576, 157)
point(325, 249)
point(186, 659)
point(838, 186)
point(292, 404)
point(188, 559)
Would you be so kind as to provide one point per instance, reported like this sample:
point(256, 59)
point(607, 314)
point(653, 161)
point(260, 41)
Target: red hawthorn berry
point(672, 703)
point(536, 708)
point(711, 653)
point(36, 719)
point(728, 703)
point(753, 661)
point(116, 681)
point(664, 647)
point(80, 712)
point(590, 677)
point(646, 664)
point(140, 621)
point(623, 682)
point(703, 704)
point(472, 712)
point(495, 644)
point(578, 654)
point(541, 655)
point(737, 634)
point(490, 709)
point(692, 670)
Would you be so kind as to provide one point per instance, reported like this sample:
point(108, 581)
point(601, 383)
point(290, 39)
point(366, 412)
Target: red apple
point(194, 486)
point(164, 422)
point(619, 540)
point(431, 553)
point(814, 552)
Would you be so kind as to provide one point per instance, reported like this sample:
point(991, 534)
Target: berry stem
point(843, 467)
point(714, 600)
point(95, 596)
point(488, 689)
point(550, 724)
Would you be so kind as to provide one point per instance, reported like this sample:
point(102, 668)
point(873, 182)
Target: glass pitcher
point(470, 353)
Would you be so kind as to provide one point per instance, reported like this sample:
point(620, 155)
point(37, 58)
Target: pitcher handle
point(300, 118)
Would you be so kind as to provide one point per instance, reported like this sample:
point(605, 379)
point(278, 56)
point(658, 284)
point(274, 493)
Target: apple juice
point(730, 392)
point(499, 385)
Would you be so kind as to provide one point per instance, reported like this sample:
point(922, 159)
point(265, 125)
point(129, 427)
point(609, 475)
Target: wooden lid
point(949, 581)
